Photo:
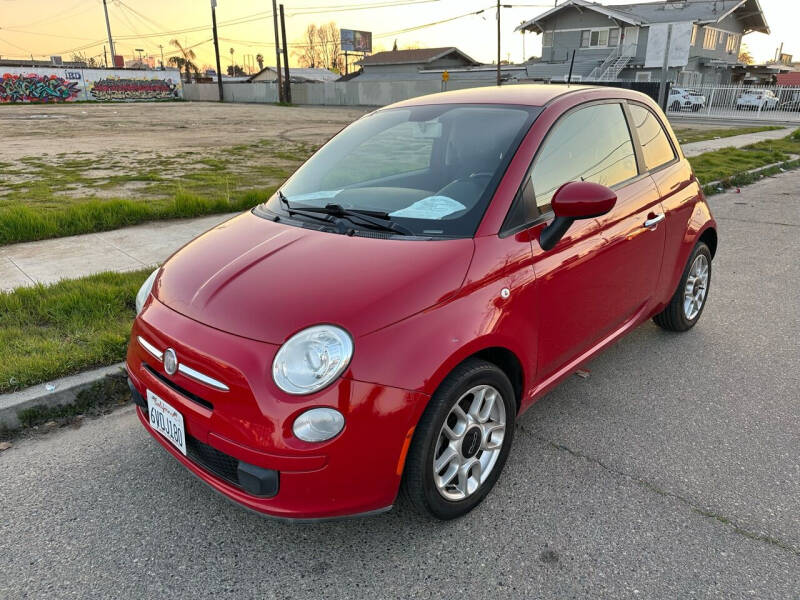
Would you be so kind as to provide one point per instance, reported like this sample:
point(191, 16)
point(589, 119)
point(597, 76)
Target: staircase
point(611, 67)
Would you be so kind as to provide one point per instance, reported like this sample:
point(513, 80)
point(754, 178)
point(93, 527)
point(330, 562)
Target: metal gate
point(757, 103)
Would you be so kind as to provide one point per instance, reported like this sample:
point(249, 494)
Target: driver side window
point(589, 144)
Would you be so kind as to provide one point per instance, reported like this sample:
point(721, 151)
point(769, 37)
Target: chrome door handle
point(654, 221)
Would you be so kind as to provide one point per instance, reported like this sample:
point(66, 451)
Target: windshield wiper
point(310, 213)
point(377, 219)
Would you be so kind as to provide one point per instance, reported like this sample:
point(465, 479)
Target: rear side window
point(655, 142)
point(590, 144)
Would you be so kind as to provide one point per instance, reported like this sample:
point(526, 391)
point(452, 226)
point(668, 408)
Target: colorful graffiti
point(36, 88)
point(113, 88)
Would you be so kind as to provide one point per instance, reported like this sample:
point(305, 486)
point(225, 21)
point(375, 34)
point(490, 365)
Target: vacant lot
point(75, 168)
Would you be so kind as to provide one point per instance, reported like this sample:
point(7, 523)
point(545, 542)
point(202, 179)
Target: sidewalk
point(737, 141)
point(127, 249)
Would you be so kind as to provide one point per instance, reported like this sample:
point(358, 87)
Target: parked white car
point(757, 99)
point(698, 101)
point(678, 99)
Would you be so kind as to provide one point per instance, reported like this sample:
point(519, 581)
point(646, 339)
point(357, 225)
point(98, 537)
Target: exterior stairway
point(611, 66)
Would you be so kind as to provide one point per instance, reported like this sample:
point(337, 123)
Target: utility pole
point(498, 42)
point(216, 48)
point(110, 39)
point(161, 46)
point(287, 81)
point(662, 89)
point(277, 50)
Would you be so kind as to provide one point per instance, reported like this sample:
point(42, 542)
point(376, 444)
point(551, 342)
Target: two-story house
point(700, 38)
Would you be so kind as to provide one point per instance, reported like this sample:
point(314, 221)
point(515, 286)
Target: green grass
point(48, 332)
point(724, 164)
point(46, 197)
point(687, 135)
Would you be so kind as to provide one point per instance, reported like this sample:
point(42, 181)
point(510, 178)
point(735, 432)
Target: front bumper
point(249, 427)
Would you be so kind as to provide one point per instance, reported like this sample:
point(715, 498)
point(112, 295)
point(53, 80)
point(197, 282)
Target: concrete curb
point(53, 393)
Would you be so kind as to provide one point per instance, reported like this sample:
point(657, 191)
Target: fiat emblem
point(170, 361)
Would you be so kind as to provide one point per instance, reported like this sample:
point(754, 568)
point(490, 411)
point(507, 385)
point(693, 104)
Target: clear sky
point(47, 27)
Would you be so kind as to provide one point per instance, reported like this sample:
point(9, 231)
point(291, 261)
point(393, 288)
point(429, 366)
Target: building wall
point(55, 84)
point(729, 24)
point(565, 41)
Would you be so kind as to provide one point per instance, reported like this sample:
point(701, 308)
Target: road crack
point(703, 512)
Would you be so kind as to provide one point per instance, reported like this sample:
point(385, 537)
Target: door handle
point(650, 223)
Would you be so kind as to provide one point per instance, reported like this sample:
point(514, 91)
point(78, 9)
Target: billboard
point(356, 41)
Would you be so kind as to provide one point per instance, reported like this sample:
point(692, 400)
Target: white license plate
point(167, 421)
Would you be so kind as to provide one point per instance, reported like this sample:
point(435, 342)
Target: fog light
point(318, 424)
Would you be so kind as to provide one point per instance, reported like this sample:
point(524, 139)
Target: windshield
point(430, 169)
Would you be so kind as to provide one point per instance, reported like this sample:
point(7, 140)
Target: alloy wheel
point(469, 442)
point(694, 294)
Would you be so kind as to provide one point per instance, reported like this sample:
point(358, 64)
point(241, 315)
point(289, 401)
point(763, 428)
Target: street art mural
point(20, 84)
point(119, 88)
point(37, 88)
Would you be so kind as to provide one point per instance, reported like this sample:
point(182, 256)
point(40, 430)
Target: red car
point(383, 320)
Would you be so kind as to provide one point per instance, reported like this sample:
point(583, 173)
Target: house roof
point(704, 12)
point(299, 74)
point(407, 57)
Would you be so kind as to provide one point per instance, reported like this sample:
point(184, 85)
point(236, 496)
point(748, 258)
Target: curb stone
point(53, 393)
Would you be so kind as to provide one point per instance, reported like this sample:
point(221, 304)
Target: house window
point(694, 35)
point(599, 38)
point(733, 43)
point(711, 38)
point(547, 39)
point(643, 76)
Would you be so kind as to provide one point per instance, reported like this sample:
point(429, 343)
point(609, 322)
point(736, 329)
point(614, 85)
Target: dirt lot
point(140, 128)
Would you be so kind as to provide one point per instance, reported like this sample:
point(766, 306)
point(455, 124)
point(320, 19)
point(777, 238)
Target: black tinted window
point(655, 142)
point(590, 144)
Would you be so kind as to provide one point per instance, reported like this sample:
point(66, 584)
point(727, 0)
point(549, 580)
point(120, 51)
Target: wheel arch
point(709, 238)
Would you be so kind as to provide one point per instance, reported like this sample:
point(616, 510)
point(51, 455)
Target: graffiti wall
point(20, 84)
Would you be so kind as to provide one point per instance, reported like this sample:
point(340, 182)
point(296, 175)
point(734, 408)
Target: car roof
point(524, 94)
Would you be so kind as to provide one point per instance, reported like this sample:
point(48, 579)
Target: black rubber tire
point(673, 318)
point(418, 485)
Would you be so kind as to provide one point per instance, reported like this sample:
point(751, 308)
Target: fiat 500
point(380, 323)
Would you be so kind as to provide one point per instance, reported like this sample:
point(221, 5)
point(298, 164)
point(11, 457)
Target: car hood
point(264, 280)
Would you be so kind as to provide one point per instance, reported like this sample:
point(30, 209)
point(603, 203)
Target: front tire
point(689, 300)
point(461, 442)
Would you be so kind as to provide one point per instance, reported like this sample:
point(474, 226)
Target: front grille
point(175, 387)
point(220, 464)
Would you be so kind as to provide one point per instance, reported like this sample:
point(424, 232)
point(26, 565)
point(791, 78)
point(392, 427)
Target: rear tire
point(689, 300)
point(461, 442)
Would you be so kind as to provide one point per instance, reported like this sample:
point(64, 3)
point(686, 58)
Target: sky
point(59, 27)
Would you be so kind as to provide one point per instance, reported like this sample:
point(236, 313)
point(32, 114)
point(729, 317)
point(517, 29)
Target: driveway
point(671, 471)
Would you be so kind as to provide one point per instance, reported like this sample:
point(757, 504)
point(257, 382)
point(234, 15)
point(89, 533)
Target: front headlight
point(144, 291)
point(312, 359)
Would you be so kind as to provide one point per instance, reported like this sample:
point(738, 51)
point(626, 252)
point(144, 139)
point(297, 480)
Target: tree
point(236, 71)
point(80, 57)
point(260, 61)
point(307, 55)
point(185, 61)
point(745, 56)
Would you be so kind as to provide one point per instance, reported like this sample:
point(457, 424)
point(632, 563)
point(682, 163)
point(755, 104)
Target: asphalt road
point(672, 471)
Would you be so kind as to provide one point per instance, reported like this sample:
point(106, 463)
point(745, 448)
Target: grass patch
point(52, 331)
point(690, 134)
point(727, 163)
point(46, 197)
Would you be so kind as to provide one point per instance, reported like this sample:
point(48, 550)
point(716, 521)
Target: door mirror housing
point(575, 200)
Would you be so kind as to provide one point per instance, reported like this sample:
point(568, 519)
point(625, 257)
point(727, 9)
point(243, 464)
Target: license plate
point(167, 421)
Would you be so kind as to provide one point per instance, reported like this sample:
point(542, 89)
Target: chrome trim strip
point(150, 348)
point(198, 376)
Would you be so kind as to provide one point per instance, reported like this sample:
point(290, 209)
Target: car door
point(589, 143)
point(635, 231)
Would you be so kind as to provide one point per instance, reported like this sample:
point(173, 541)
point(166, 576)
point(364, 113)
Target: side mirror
point(575, 200)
